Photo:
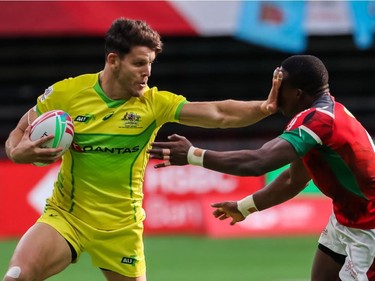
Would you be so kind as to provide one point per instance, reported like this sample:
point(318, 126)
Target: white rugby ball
point(57, 123)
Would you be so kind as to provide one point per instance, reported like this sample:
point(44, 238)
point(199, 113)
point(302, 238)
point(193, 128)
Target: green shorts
point(120, 250)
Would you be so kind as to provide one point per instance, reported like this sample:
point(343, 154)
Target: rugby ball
point(57, 123)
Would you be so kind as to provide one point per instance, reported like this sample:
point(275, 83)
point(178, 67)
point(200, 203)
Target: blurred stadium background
point(212, 50)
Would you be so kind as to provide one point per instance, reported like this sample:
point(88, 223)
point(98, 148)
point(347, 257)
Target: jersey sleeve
point(301, 139)
point(167, 106)
point(53, 97)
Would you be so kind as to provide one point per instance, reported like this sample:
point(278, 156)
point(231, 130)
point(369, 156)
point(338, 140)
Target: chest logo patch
point(131, 120)
point(84, 118)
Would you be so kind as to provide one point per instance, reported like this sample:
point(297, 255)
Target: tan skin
point(42, 251)
point(272, 155)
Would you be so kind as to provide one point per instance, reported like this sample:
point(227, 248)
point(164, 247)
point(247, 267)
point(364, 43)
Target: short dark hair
point(307, 73)
point(127, 33)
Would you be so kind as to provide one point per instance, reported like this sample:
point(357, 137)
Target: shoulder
point(300, 118)
point(155, 95)
point(313, 116)
point(78, 82)
point(154, 91)
point(68, 87)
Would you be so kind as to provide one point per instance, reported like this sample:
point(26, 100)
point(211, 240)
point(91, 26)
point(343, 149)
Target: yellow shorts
point(120, 250)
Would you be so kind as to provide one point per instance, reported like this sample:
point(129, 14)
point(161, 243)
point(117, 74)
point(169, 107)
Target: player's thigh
point(119, 250)
point(324, 267)
point(41, 252)
point(113, 276)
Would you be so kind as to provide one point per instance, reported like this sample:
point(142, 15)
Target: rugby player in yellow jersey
point(96, 205)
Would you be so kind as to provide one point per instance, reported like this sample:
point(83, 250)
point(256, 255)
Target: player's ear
point(113, 60)
point(300, 93)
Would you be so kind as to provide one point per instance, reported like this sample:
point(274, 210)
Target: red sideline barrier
point(177, 201)
point(174, 196)
point(16, 212)
point(303, 215)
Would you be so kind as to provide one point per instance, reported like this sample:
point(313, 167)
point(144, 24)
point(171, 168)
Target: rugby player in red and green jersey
point(323, 142)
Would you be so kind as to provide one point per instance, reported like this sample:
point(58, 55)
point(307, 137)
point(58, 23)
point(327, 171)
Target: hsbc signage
point(177, 200)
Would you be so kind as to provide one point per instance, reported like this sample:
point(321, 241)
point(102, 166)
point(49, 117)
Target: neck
point(110, 86)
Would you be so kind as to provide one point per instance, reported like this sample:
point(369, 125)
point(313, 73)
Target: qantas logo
point(105, 149)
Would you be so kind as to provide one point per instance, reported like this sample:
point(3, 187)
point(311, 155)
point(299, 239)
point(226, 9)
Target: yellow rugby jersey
point(101, 175)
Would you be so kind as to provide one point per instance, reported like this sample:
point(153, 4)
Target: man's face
point(288, 99)
point(134, 70)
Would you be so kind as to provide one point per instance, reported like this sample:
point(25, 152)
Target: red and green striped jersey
point(339, 154)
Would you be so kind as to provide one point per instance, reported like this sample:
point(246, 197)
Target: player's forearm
point(278, 191)
point(272, 155)
point(12, 142)
point(242, 113)
point(240, 163)
point(223, 114)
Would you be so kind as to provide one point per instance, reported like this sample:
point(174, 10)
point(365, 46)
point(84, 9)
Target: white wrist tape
point(195, 156)
point(246, 206)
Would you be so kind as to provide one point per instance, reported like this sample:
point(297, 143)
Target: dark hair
point(126, 33)
point(307, 73)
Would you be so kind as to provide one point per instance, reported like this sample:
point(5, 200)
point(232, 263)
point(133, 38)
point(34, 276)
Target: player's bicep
point(27, 119)
point(277, 153)
point(202, 114)
point(31, 115)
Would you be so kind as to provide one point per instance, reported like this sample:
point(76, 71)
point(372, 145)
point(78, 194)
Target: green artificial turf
point(186, 258)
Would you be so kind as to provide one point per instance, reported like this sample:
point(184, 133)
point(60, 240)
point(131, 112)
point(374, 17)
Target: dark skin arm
point(286, 186)
point(272, 155)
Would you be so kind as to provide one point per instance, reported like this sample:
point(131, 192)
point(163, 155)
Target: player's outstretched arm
point(231, 113)
point(286, 186)
point(179, 151)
